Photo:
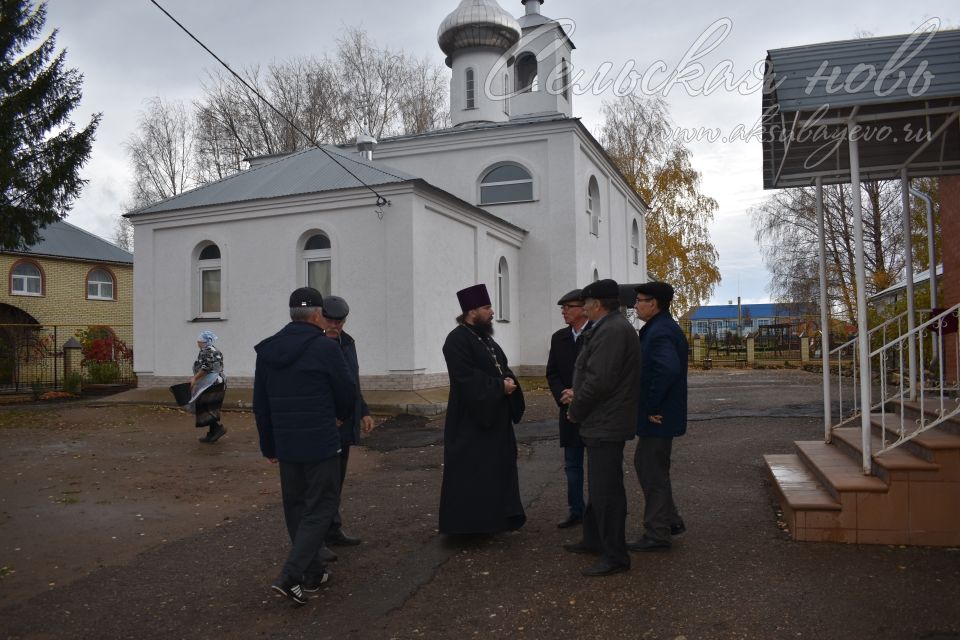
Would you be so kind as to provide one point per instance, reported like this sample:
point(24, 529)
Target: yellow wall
point(64, 300)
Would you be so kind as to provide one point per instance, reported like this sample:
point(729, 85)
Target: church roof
point(303, 172)
point(64, 240)
point(478, 23)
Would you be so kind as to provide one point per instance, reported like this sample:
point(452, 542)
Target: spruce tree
point(41, 152)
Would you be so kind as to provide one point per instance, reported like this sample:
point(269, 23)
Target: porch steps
point(911, 497)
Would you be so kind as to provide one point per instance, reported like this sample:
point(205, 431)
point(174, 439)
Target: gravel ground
point(734, 574)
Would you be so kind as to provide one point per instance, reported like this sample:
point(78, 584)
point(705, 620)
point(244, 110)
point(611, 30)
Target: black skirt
point(208, 405)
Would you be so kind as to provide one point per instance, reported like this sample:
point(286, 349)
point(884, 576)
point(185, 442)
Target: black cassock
point(480, 491)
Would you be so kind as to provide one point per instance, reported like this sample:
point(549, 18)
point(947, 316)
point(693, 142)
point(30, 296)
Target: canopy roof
point(901, 93)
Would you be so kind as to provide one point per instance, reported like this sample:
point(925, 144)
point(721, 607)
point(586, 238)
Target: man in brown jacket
point(604, 402)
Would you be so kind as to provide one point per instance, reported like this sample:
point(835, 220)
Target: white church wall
point(488, 106)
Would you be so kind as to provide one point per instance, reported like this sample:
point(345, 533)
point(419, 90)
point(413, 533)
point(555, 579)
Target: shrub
point(103, 372)
point(72, 383)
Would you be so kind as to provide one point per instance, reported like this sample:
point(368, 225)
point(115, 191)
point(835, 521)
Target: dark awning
point(902, 92)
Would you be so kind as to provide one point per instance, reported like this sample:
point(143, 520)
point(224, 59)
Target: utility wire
point(381, 201)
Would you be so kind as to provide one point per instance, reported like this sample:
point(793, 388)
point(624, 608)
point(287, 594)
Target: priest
point(480, 493)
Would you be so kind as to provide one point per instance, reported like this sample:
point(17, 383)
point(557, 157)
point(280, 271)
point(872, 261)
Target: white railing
point(937, 389)
point(844, 362)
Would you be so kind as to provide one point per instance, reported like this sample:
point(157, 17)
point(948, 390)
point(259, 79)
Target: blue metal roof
point(729, 311)
point(64, 240)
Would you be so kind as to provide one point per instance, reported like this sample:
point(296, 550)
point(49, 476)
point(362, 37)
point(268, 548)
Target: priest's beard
point(484, 327)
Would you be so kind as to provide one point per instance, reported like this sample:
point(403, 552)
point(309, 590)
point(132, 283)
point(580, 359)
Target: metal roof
point(902, 93)
point(478, 23)
point(754, 310)
point(64, 240)
point(901, 285)
point(303, 172)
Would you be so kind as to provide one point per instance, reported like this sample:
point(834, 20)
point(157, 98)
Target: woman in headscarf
point(208, 387)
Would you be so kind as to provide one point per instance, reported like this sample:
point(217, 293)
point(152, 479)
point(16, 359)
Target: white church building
point(516, 194)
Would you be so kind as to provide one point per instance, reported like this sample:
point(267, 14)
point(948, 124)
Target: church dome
point(478, 23)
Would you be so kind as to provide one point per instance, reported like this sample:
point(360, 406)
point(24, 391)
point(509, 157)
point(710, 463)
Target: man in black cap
point(662, 414)
point(480, 493)
point(301, 388)
point(564, 346)
point(335, 311)
point(604, 402)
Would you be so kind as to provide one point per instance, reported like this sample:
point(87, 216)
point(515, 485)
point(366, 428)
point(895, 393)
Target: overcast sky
point(129, 51)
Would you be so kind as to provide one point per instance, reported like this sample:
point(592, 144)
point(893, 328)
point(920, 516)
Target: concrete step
point(797, 486)
point(923, 445)
point(837, 471)
point(912, 409)
point(887, 464)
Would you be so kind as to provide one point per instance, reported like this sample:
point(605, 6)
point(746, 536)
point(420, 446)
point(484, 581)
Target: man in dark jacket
point(604, 402)
point(335, 311)
point(662, 413)
point(301, 388)
point(480, 493)
point(564, 346)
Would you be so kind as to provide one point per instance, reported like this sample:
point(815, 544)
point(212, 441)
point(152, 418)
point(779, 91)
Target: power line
point(381, 201)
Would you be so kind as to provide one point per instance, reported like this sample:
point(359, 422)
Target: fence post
point(751, 358)
point(805, 349)
point(697, 349)
point(71, 356)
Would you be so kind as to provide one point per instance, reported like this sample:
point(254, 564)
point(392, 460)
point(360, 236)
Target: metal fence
point(37, 358)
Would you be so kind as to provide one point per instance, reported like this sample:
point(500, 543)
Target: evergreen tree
point(41, 153)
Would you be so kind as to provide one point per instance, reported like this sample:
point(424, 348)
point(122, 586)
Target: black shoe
point(340, 539)
point(647, 544)
point(579, 547)
point(290, 588)
point(313, 584)
point(677, 528)
point(570, 521)
point(214, 435)
point(325, 555)
point(604, 568)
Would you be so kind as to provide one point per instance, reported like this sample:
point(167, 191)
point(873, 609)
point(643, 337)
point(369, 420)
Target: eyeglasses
point(639, 299)
point(572, 306)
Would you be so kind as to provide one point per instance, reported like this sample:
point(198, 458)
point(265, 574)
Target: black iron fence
point(38, 358)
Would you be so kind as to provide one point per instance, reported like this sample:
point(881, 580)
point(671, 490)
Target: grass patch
point(22, 418)
point(5, 571)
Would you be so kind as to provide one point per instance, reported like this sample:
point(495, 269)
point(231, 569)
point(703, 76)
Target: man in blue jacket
point(301, 389)
point(662, 414)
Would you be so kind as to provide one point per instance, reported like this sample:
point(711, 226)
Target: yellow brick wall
point(64, 300)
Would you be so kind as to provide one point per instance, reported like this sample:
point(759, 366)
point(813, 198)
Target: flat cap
point(606, 289)
point(662, 291)
point(306, 297)
point(571, 296)
point(335, 308)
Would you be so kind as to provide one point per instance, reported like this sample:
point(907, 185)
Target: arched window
point(566, 78)
point(526, 73)
point(470, 89)
point(506, 183)
point(208, 272)
point(317, 257)
point(100, 285)
point(503, 290)
point(593, 206)
point(635, 242)
point(26, 279)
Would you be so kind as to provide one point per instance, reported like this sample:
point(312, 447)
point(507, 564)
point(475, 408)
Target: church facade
point(517, 194)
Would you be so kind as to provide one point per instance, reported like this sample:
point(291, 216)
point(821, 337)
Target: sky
point(128, 52)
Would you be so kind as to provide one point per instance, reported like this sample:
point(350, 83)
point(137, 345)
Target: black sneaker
point(216, 434)
point(290, 588)
point(313, 584)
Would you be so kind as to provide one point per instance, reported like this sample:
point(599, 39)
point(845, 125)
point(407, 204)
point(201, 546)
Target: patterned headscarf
point(207, 337)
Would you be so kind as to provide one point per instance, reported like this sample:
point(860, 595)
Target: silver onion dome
point(478, 23)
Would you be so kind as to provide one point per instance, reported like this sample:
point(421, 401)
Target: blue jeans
point(573, 467)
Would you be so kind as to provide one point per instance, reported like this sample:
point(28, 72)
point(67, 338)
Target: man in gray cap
point(301, 388)
point(564, 347)
point(604, 402)
point(335, 311)
point(662, 413)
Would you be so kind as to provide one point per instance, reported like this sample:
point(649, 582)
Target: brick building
point(950, 226)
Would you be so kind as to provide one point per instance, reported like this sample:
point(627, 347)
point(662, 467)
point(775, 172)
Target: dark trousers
point(337, 523)
point(573, 468)
point(652, 462)
point(311, 496)
point(605, 519)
